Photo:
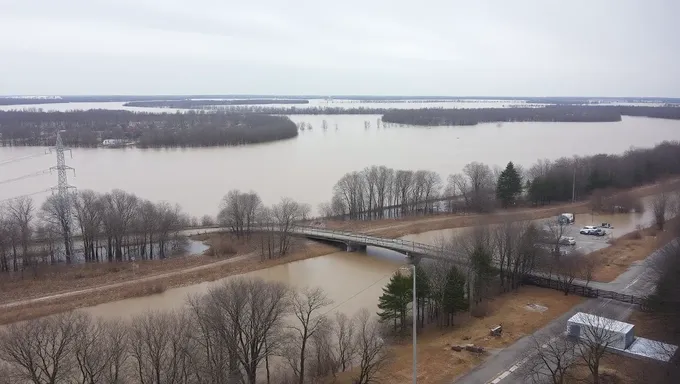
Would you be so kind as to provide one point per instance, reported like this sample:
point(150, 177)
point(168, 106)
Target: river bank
point(80, 286)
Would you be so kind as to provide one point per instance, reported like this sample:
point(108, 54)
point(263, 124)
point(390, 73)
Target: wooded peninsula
point(146, 130)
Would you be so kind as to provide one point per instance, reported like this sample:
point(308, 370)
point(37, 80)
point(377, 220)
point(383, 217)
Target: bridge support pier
point(415, 259)
point(355, 247)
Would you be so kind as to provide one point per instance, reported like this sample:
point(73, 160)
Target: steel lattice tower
point(64, 195)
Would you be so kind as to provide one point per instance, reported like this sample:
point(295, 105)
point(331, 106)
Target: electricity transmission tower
point(63, 195)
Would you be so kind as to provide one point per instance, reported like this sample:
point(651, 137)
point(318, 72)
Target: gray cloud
point(432, 47)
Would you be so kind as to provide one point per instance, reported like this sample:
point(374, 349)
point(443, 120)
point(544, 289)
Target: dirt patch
point(536, 307)
point(438, 363)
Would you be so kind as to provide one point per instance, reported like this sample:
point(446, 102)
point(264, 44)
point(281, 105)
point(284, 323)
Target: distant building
point(114, 142)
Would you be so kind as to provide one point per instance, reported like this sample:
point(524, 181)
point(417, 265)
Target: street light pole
point(415, 320)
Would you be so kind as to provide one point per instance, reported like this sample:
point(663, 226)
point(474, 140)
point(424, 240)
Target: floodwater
point(305, 168)
point(313, 103)
point(353, 280)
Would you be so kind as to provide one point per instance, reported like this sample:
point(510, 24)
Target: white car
point(588, 230)
point(567, 240)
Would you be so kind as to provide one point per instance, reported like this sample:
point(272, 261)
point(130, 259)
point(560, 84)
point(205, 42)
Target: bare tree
point(372, 350)
point(350, 189)
point(101, 352)
point(506, 238)
point(345, 329)
point(20, 212)
point(550, 361)
point(207, 221)
point(569, 268)
point(554, 231)
point(213, 358)
point(305, 306)
point(384, 179)
point(56, 210)
point(597, 335)
point(285, 215)
point(158, 342)
point(482, 185)
point(120, 209)
point(478, 247)
point(255, 310)
point(324, 361)
point(661, 205)
point(41, 351)
point(88, 209)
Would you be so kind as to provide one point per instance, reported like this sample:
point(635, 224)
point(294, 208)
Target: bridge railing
point(401, 244)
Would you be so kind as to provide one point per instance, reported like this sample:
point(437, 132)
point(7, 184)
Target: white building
point(113, 142)
point(613, 333)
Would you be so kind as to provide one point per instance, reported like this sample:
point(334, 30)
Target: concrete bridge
point(356, 241)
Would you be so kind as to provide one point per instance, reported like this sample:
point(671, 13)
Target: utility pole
point(63, 195)
point(415, 321)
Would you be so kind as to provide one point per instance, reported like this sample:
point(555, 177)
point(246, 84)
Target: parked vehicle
point(587, 230)
point(606, 225)
point(567, 240)
point(598, 232)
point(566, 218)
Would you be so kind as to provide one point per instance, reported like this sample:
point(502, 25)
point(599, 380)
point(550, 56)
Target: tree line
point(114, 226)
point(553, 113)
point(242, 331)
point(192, 129)
point(198, 104)
point(378, 191)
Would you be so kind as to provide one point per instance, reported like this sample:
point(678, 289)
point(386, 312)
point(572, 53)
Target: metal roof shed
point(613, 333)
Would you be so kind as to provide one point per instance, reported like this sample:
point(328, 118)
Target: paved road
point(505, 366)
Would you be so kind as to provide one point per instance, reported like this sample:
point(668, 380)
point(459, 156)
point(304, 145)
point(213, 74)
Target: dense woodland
point(378, 191)
point(115, 226)
point(242, 331)
point(191, 129)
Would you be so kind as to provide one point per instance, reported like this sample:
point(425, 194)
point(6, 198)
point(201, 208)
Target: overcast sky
point(378, 47)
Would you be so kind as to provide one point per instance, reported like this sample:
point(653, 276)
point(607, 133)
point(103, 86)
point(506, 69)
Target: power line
point(363, 290)
point(26, 195)
point(34, 174)
point(14, 160)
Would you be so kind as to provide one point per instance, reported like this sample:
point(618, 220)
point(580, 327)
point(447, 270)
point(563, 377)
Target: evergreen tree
point(393, 303)
point(454, 293)
point(509, 185)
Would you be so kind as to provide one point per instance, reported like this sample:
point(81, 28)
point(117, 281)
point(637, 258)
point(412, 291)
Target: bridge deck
point(404, 246)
